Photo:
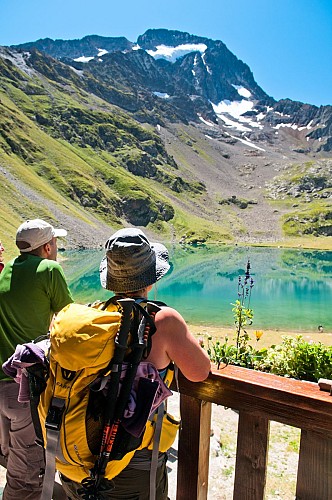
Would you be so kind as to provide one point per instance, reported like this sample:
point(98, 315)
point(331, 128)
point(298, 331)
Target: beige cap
point(36, 233)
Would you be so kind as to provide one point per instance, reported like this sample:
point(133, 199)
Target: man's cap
point(132, 262)
point(35, 233)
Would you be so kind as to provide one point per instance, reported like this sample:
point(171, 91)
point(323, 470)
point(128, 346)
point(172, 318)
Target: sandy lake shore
point(268, 338)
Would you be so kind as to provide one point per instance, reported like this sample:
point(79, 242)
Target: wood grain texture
point(314, 477)
point(194, 448)
point(259, 398)
point(251, 457)
point(293, 402)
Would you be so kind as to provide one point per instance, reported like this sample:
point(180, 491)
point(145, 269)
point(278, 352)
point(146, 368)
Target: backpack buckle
point(54, 416)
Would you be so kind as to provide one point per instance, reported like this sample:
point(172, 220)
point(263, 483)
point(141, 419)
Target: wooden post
point(314, 477)
point(193, 450)
point(251, 457)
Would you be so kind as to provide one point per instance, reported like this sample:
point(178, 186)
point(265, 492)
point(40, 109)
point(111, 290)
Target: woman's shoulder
point(169, 313)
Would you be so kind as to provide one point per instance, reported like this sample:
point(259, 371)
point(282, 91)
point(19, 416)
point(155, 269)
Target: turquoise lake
point(292, 289)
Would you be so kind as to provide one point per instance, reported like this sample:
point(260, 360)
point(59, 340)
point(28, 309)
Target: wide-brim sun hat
point(132, 262)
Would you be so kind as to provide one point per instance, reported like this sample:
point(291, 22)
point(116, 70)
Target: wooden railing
point(259, 398)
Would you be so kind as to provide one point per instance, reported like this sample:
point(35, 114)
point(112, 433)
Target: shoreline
point(269, 337)
point(96, 240)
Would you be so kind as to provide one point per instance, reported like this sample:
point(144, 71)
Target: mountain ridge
point(186, 123)
point(210, 90)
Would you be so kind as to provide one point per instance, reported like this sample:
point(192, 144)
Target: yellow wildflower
point(258, 334)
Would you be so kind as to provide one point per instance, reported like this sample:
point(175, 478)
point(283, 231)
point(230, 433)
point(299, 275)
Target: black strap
point(116, 405)
point(37, 377)
point(142, 307)
point(112, 399)
point(108, 302)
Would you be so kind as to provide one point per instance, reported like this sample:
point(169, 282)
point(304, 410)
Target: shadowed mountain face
point(194, 76)
point(75, 48)
point(171, 127)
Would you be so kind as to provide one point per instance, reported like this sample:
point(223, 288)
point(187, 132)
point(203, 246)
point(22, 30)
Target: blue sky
point(286, 43)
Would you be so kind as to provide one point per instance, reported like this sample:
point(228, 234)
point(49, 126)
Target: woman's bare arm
point(173, 341)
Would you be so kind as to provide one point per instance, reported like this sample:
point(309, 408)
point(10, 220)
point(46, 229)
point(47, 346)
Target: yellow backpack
point(86, 417)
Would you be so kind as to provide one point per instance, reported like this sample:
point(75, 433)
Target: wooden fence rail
point(259, 398)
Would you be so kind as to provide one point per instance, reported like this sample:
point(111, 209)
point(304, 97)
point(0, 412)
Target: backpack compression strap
point(52, 424)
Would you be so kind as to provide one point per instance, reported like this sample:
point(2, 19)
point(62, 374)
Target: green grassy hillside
point(306, 190)
point(79, 152)
point(71, 157)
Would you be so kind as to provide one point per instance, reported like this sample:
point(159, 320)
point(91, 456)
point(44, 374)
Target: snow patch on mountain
point(233, 124)
point(195, 64)
point(162, 95)
point(230, 112)
point(210, 124)
point(289, 125)
point(102, 52)
point(309, 126)
point(85, 59)
point(294, 126)
point(205, 64)
point(173, 53)
point(233, 108)
point(242, 91)
point(282, 114)
point(246, 142)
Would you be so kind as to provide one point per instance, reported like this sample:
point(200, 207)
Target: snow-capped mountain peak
point(173, 53)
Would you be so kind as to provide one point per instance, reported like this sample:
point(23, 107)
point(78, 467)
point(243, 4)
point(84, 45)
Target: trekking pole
point(118, 403)
point(146, 328)
point(140, 336)
point(137, 349)
point(114, 382)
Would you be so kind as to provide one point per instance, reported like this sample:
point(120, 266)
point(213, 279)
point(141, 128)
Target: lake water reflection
point(293, 288)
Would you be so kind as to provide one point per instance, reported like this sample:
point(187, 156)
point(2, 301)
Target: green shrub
point(297, 358)
point(294, 357)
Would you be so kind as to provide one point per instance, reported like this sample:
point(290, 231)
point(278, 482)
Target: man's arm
point(60, 294)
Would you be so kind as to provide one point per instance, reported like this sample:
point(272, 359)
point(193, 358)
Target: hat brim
point(58, 233)
point(140, 281)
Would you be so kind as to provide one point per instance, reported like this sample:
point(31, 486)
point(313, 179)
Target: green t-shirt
point(32, 289)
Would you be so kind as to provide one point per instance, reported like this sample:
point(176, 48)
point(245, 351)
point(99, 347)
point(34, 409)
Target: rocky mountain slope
point(171, 133)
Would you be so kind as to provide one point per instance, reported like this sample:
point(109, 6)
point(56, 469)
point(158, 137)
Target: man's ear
point(47, 248)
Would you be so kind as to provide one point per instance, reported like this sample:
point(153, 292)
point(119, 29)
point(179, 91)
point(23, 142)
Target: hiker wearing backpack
point(32, 289)
point(130, 268)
